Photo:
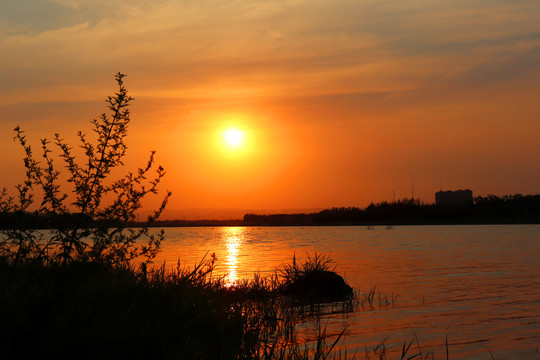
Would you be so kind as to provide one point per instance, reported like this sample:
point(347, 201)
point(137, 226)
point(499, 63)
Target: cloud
point(32, 17)
point(216, 49)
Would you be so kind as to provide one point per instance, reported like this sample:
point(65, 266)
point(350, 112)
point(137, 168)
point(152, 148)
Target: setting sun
point(234, 138)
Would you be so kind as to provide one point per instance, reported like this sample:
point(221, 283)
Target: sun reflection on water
point(233, 238)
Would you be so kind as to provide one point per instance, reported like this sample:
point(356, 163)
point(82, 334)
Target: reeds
point(296, 270)
point(313, 280)
point(92, 310)
point(373, 299)
point(409, 351)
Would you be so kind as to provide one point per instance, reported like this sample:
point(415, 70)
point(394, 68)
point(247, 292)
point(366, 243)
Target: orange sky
point(342, 102)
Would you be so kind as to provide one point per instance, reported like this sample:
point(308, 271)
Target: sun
point(234, 138)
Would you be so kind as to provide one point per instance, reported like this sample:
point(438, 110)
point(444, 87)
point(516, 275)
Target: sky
point(341, 102)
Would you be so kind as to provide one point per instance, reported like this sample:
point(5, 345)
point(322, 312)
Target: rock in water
point(319, 285)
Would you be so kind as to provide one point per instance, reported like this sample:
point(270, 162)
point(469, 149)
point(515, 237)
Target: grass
point(373, 299)
point(313, 279)
point(90, 310)
point(96, 311)
point(409, 351)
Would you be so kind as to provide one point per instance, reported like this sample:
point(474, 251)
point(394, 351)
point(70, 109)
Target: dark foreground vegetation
point(91, 310)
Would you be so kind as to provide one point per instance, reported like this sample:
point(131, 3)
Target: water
point(477, 285)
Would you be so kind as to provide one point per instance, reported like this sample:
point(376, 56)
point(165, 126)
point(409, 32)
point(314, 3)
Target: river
point(477, 286)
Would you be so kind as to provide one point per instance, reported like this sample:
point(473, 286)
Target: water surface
point(478, 285)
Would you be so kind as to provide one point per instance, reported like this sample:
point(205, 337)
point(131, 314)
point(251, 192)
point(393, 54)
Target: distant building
point(453, 197)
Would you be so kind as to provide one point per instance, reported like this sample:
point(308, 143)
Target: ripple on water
point(478, 285)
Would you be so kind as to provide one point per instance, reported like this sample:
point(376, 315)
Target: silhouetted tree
point(95, 213)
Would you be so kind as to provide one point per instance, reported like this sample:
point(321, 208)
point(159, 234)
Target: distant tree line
point(491, 209)
point(37, 220)
point(483, 210)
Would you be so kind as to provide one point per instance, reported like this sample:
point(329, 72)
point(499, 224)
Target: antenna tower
point(412, 185)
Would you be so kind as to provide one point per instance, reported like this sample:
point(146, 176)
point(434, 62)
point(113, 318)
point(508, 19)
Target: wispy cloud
point(280, 47)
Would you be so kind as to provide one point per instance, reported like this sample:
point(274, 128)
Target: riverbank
point(90, 310)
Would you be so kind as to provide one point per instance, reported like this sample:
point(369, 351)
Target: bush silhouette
point(92, 218)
